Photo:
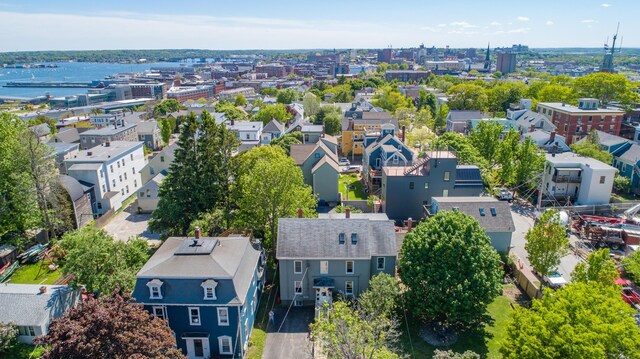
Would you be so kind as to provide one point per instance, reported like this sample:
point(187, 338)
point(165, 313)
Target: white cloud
point(549, 22)
point(495, 23)
point(442, 25)
point(588, 21)
point(522, 30)
point(606, 5)
point(462, 24)
point(523, 18)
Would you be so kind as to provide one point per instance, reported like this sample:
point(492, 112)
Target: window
point(298, 303)
point(27, 331)
point(481, 211)
point(152, 171)
point(99, 205)
point(411, 184)
point(135, 183)
point(101, 174)
point(114, 182)
point(493, 211)
point(316, 155)
point(148, 192)
point(127, 187)
point(348, 288)
point(125, 176)
point(380, 263)
point(104, 188)
point(224, 345)
point(161, 158)
point(194, 315)
point(122, 191)
point(123, 162)
point(324, 267)
point(154, 289)
point(341, 238)
point(133, 170)
point(223, 316)
point(297, 267)
point(349, 267)
point(602, 179)
point(209, 287)
point(426, 185)
point(447, 175)
point(248, 136)
point(297, 287)
point(141, 193)
point(120, 178)
point(159, 312)
point(111, 167)
point(131, 156)
point(445, 193)
point(354, 239)
point(118, 164)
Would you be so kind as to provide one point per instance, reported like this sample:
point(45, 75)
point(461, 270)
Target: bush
point(8, 336)
point(632, 266)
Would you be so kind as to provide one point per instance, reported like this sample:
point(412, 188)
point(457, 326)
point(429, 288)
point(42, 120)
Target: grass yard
point(33, 274)
point(356, 192)
point(23, 351)
point(484, 341)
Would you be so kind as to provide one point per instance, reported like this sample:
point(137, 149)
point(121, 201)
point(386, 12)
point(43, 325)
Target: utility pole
point(544, 173)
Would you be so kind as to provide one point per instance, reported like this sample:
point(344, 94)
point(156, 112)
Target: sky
point(27, 25)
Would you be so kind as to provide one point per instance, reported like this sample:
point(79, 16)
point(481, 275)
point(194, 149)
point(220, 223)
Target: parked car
point(351, 169)
point(555, 280)
point(343, 161)
point(505, 195)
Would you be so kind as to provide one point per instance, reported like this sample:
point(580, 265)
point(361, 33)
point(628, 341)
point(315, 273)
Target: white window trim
point(384, 263)
point(155, 284)
point(296, 286)
point(345, 287)
point(209, 284)
point(163, 309)
point(326, 271)
point(191, 322)
point(346, 267)
point(294, 267)
point(221, 323)
point(220, 339)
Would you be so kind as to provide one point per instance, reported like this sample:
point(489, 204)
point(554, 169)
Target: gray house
point(32, 307)
point(406, 191)
point(149, 133)
point(148, 194)
point(493, 215)
point(319, 165)
point(323, 257)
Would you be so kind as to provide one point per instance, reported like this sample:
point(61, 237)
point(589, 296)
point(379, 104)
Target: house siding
point(325, 183)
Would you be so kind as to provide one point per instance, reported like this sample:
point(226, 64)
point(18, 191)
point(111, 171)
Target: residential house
point(320, 170)
point(113, 169)
point(159, 163)
point(516, 110)
point(493, 215)
point(577, 179)
point(207, 288)
point(384, 150)
point(575, 122)
point(149, 133)
point(310, 133)
point(320, 257)
point(63, 151)
point(82, 199)
point(66, 135)
point(110, 119)
point(32, 307)
point(458, 120)
point(274, 129)
point(41, 131)
point(406, 191)
point(547, 141)
point(148, 194)
point(530, 121)
point(248, 132)
point(97, 137)
point(505, 123)
point(356, 129)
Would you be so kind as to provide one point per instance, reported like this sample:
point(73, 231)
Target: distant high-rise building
point(385, 55)
point(506, 62)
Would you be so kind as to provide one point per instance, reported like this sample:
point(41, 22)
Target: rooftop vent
point(493, 211)
point(481, 211)
point(89, 153)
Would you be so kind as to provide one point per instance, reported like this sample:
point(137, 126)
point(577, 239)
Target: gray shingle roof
point(300, 152)
point(317, 238)
point(69, 135)
point(72, 186)
point(501, 222)
point(460, 115)
point(274, 126)
point(24, 305)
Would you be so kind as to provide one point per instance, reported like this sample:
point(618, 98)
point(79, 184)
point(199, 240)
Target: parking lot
point(129, 223)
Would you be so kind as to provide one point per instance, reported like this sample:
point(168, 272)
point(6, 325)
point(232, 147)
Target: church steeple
point(487, 59)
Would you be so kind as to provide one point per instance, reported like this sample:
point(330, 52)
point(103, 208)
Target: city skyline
point(77, 25)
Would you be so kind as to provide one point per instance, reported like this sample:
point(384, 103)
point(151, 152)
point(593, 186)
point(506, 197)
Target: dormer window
point(155, 289)
point(341, 238)
point(209, 287)
point(354, 238)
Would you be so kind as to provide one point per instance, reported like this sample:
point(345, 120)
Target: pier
point(48, 84)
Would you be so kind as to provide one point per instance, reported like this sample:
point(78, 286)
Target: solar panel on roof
point(493, 211)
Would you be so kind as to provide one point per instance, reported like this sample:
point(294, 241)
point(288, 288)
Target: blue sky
point(271, 24)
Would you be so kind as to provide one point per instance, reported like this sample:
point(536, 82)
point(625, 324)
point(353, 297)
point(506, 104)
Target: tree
point(211, 224)
point(324, 111)
point(311, 104)
point(391, 99)
point(621, 183)
point(112, 327)
point(606, 87)
point(382, 297)
point(450, 270)
point(506, 157)
point(269, 92)
point(101, 263)
point(270, 112)
point(166, 107)
point(588, 149)
point(504, 94)
point(547, 242)
point(599, 268)
point(581, 320)
point(441, 354)
point(287, 96)
point(529, 162)
point(332, 123)
point(231, 112)
point(347, 333)
point(632, 266)
point(40, 119)
point(285, 141)
point(342, 209)
point(466, 152)
point(557, 93)
point(486, 138)
point(240, 100)
point(341, 93)
point(165, 130)
point(270, 186)
point(441, 118)
point(467, 97)
point(8, 336)
point(419, 137)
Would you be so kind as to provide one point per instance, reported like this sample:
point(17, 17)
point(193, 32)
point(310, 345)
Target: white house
point(113, 169)
point(248, 132)
point(582, 180)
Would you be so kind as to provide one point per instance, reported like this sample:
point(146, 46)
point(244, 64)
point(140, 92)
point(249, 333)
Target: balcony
point(566, 179)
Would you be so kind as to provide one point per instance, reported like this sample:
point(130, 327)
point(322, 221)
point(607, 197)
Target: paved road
point(290, 342)
point(128, 223)
point(523, 218)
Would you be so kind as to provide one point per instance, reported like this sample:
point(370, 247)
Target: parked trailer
point(628, 294)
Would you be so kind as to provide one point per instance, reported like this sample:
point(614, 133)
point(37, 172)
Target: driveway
point(288, 340)
point(523, 219)
point(129, 223)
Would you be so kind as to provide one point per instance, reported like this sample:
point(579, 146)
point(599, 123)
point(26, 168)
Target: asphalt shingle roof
point(501, 222)
point(24, 305)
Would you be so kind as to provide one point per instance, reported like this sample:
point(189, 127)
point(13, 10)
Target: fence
point(525, 278)
point(359, 204)
point(600, 208)
point(104, 219)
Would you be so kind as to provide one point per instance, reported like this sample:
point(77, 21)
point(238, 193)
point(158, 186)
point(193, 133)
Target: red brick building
point(575, 123)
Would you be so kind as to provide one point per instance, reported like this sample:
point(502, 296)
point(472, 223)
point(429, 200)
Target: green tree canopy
point(606, 87)
point(632, 266)
point(581, 320)
point(240, 100)
point(547, 242)
point(285, 141)
point(287, 96)
point(166, 107)
point(557, 93)
point(311, 104)
point(450, 269)
point(599, 268)
point(467, 153)
point(270, 112)
point(391, 99)
point(486, 138)
point(504, 94)
point(467, 97)
point(588, 149)
point(231, 112)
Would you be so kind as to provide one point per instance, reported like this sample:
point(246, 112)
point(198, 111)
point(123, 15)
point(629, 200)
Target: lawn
point(355, 188)
point(23, 351)
point(33, 274)
point(483, 341)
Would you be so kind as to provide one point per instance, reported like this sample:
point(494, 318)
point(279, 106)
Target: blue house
point(383, 149)
point(207, 289)
point(272, 130)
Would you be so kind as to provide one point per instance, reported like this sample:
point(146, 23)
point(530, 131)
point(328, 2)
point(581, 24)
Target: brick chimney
point(347, 212)
point(409, 224)
point(300, 213)
point(532, 128)
point(404, 132)
point(552, 136)
point(43, 290)
point(198, 232)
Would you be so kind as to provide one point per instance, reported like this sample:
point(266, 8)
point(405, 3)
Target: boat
point(9, 271)
point(23, 257)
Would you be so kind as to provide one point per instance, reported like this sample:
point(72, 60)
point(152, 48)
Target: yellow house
point(354, 130)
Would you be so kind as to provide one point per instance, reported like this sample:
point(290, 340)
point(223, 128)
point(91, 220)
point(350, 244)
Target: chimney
point(404, 132)
point(299, 212)
point(563, 103)
point(552, 136)
point(347, 212)
point(107, 144)
point(532, 128)
point(232, 122)
point(43, 290)
point(198, 233)
point(554, 149)
point(409, 224)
